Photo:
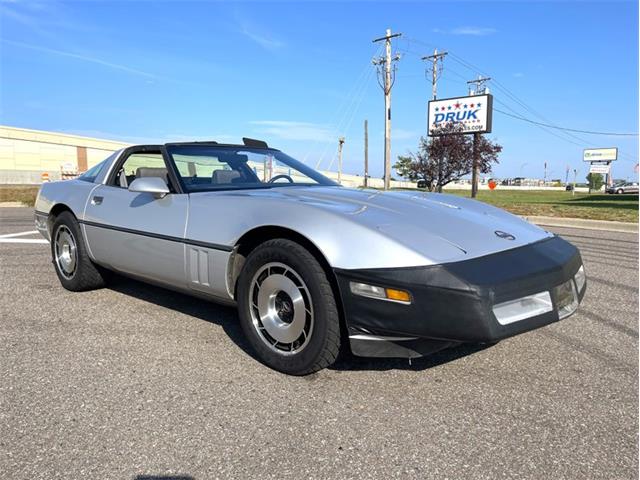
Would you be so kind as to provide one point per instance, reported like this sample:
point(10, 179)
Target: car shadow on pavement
point(350, 362)
point(227, 318)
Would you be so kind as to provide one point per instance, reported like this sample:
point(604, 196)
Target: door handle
point(97, 200)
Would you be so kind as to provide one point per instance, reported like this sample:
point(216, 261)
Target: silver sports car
point(311, 266)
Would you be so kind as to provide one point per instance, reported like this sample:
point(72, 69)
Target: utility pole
point(437, 61)
point(476, 87)
point(340, 143)
point(475, 170)
point(385, 71)
point(544, 180)
point(575, 174)
point(366, 153)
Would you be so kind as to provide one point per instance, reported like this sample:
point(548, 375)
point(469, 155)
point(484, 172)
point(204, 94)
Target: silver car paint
point(127, 252)
point(363, 229)
point(351, 228)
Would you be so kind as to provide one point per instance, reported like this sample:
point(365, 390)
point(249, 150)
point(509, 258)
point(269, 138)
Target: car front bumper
point(454, 303)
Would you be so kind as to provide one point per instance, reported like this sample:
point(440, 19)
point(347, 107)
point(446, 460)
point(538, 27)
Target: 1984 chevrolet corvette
point(310, 265)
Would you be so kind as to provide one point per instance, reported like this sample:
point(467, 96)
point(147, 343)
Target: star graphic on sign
point(465, 105)
point(436, 109)
point(471, 105)
point(449, 107)
point(478, 105)
point(457, 105)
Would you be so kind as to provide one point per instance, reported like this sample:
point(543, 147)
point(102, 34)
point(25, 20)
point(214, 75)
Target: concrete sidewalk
point(607, 225)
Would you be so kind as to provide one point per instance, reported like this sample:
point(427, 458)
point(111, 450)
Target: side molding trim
point(197, 243)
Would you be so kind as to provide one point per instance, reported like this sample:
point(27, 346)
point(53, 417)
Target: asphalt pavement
point(134, 381)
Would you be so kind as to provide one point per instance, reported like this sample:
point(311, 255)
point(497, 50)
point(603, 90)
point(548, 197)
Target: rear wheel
point(619, 191)
point(73, 266)
point(287, 308)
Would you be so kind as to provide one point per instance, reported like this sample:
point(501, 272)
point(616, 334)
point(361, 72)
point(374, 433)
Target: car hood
point(418, 219)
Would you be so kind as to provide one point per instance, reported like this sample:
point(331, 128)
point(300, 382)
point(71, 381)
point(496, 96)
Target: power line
point(565, 134)
point(589, 132)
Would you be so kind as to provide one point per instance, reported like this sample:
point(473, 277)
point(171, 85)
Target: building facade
point(31, 156)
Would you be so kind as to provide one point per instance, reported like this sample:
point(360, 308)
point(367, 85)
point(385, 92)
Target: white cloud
point(265, 40)
point(300, 131)
point(84, 58)
point(468, 30)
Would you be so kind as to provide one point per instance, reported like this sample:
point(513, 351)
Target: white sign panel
point(600, 154)
point(471, 114)
point(602, 168)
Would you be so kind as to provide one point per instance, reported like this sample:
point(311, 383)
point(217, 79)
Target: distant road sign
point(600, 154)
point(473, 114)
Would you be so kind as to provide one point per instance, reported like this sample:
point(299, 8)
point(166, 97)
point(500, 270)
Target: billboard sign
point(601, 168)
point(472, 114)
point(600, 154)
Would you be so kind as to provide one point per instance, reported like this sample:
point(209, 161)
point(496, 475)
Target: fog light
point(373, 291)
point(581, 278)
point(566, 298)
point(521, 308)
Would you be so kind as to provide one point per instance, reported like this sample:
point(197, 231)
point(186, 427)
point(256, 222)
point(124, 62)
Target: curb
point(12, 204)
point(610, 226)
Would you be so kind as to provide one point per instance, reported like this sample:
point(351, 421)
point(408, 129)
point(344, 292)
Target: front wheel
point(73, 266)
point(287, 308)
point(620, 191)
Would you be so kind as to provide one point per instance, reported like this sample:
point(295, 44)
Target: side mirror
point(153, 185)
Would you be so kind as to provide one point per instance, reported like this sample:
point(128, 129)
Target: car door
point(138, 233)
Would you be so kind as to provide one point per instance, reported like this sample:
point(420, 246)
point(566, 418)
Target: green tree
point(595, 181)
point(446, 158)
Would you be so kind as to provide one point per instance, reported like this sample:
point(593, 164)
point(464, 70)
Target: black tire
point(85, 275)
point(620, 191)
point(322, 346)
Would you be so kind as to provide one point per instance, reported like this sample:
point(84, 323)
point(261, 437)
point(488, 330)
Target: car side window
point(138, 165)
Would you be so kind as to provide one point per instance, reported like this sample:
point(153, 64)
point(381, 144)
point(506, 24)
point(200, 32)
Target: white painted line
point(23, 240)
point(21, 234)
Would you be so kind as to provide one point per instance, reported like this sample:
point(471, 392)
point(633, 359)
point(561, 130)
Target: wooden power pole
point(386, 82)
point(476, 87)
point(437, 61)
point(340, 144)
point(366, 153)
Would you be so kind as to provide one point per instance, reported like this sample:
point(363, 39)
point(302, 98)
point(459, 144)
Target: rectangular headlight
point(521, 308)
point(566, 298)
point(580, 278)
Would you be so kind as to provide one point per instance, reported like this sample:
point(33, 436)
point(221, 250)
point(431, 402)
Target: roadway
point(133, 381)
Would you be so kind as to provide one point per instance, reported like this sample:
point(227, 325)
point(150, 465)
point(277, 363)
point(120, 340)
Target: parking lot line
point(23, 240)
point(19, 234)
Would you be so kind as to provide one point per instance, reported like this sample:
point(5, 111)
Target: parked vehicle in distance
point(569, 188)
point(627, 187)
point(311, 266)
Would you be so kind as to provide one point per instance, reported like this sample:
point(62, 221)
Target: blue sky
point(299, 74)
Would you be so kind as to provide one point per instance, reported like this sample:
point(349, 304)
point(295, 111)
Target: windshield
point(211, 167)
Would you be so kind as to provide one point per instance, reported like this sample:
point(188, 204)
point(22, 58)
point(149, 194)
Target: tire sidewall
point(68, 220)
point(304, 360)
